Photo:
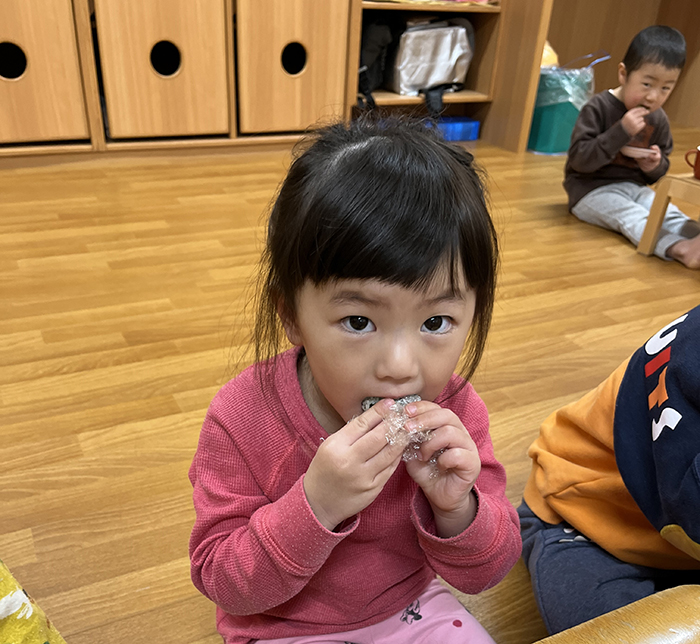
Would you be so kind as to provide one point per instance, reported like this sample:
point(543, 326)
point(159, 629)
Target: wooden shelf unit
point(499, 90)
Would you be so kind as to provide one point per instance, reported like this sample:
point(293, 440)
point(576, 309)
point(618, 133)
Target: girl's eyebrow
point(352, 297)
point(447, 296)
point(356, 297)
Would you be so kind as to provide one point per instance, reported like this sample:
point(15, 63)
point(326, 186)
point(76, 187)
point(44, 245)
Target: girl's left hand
point(449, 487)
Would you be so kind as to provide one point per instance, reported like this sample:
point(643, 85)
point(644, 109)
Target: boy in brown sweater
point(620, 145)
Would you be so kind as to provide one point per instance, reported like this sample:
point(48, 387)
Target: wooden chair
point(509, 613)
point(669, 617)
point(682, 186)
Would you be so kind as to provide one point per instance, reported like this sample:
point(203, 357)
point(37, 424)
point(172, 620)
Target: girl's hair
point(657, 45)
point(381, 198)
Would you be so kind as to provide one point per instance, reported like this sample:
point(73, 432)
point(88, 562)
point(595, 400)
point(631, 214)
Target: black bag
point(379, 37)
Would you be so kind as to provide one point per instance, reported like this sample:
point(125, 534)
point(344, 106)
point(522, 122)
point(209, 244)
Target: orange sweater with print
point(575, 478)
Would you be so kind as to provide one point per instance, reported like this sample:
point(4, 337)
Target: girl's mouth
point(399, 402)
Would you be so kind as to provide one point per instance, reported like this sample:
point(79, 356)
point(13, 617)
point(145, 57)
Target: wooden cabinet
point(41, 93)
point(292, 56)
point(163, 65)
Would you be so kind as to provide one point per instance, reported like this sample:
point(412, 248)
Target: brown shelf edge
point(240, 141)
point(43, 149)
point(250, 142)
point(446, 6)
point(383, 97)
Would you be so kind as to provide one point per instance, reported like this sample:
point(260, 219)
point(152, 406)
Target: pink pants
point(436, 616)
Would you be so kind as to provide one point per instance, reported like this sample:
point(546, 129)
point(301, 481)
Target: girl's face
point(369, 338)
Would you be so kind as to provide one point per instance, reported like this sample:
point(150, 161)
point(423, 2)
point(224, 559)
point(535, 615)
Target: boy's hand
point(450, 491)
point(633, 121)
point(351, 467)
point(651, 162)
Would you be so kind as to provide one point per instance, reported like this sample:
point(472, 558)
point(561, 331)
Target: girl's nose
point(398, 361)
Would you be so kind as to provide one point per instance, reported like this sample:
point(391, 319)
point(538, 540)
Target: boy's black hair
point(657, 45)
point(378, 198)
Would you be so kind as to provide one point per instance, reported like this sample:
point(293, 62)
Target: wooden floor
point(123, 286)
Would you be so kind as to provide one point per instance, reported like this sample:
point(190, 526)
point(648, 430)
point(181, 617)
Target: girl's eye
point(358, 324)
point(437, 324)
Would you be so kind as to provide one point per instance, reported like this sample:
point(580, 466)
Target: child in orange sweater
point(611, 511)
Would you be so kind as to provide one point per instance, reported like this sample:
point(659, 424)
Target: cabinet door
point(41, 92)
point(292, 61)
point(163, 66)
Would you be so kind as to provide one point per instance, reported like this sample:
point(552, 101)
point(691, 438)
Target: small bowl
point(635, 152)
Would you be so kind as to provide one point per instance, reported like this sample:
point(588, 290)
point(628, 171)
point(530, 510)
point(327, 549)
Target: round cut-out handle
point(166, 58)
point(294, 58)
point(13, 61)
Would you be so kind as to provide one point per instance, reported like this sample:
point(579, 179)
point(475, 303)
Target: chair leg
point(657, 212)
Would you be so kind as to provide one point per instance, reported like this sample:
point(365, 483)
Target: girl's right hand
point(351, 467)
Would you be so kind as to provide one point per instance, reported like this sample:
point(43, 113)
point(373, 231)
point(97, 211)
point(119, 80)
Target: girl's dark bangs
point(396, 227)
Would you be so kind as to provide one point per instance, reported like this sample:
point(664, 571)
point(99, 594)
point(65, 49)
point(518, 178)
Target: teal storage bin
point(551, 128)
point(561, 94)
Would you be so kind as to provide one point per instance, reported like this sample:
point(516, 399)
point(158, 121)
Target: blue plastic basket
point(459, 128)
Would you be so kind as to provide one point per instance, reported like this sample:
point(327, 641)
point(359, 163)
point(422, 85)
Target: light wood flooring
point(123, 283)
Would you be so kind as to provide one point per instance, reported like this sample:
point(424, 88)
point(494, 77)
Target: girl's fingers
point(433, 418)
point(387, 455)
point(385, 463)
point(444, 442)
point(456, 459)
point(365, 435)
point(365, 422)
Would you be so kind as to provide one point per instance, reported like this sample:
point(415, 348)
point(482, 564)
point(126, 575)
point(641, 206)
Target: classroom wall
point(683, 107)
point(579, 27)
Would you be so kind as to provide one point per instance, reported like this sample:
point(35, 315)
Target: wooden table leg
point(657, 212)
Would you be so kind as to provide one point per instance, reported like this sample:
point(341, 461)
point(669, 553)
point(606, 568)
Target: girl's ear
point(622, 73)
point(289, 324)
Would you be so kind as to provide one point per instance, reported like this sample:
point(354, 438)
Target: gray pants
point(624, 208)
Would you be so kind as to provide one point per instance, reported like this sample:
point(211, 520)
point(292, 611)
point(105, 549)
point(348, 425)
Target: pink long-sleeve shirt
point(273, 570)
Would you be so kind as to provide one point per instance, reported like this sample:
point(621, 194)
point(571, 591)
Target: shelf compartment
point(479, 84)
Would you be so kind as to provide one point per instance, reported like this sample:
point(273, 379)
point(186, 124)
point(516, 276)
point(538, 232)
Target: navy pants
point(575, 580)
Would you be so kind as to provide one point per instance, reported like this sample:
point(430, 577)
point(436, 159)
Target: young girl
point(380, 265)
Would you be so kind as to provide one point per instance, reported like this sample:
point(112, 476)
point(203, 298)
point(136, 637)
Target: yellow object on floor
point(21, 620)
point(549, 56)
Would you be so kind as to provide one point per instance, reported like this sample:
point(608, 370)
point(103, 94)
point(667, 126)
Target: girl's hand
point(458, 466)
point(651, 162)
point(351, 467)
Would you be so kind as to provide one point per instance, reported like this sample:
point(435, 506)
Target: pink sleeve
point(484, 553)
point(248, 554)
